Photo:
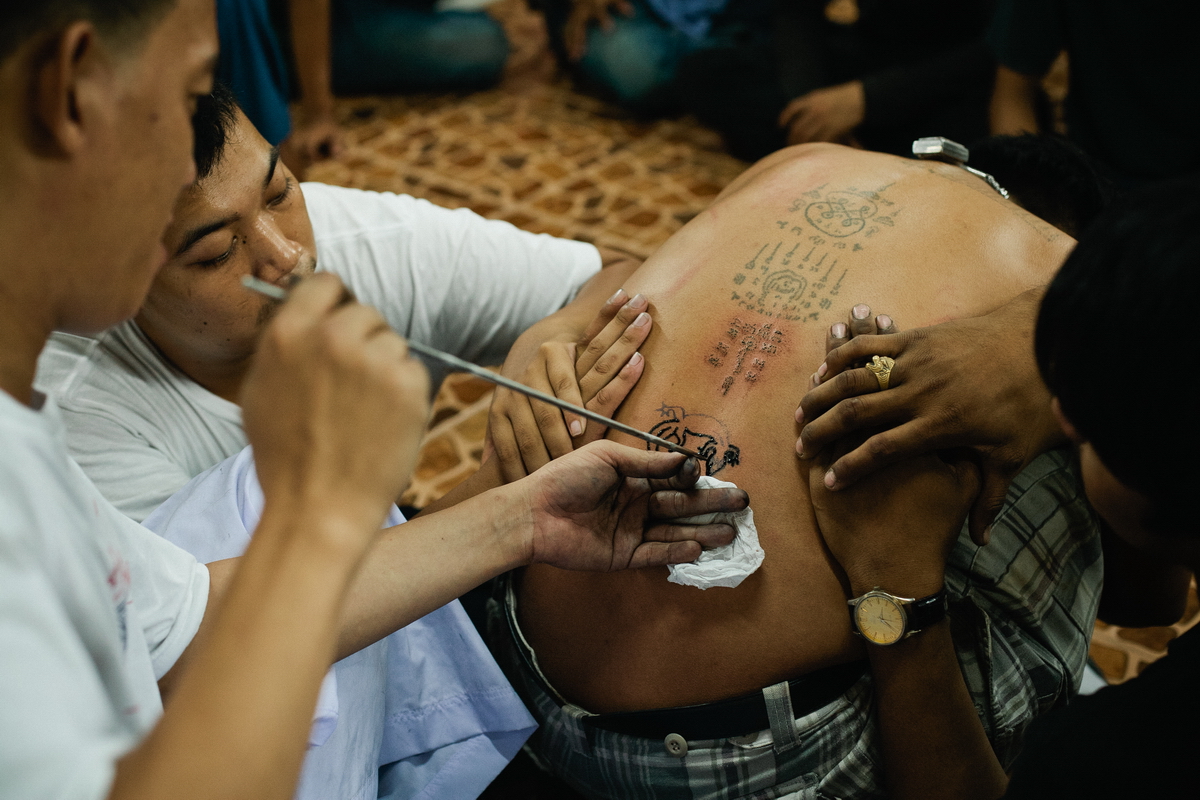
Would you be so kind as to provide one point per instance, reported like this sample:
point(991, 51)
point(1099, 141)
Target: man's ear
point(72, 76)
point(1064, 423)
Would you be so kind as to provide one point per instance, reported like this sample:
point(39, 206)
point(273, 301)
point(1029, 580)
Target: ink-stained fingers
point(717, 534)
point(659, 554)
point(608, 399)
point(606, 368)
point(610, 334)
point(676, 504)
point(604, 316)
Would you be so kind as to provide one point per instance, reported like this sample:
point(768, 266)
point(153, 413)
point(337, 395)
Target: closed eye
point(221, 259)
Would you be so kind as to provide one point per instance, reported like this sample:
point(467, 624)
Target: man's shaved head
point(123, 22)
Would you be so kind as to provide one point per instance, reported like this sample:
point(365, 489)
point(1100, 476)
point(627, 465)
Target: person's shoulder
point(118, 365)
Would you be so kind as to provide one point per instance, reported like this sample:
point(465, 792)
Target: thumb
point(987, 505)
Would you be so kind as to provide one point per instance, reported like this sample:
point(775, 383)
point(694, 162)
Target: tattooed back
point(742, 297)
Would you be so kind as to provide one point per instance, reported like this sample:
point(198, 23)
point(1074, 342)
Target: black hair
point(123, 21)
point(1047, 176)
point(1107, 345)
point(215, 117)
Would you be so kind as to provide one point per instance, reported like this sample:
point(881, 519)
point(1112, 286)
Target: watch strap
point(926, 611)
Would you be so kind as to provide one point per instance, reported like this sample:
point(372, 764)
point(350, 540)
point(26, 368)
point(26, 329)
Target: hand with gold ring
point(932, 403)
point(881, 368)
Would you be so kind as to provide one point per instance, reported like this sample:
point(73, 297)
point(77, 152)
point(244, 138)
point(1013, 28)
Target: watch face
point(880, 619)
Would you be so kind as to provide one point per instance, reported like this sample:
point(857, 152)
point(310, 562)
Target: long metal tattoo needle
point(280, 294)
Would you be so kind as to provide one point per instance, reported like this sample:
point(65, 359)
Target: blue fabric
point(693, 18)
point(384, 47)
point(253, 67)
point(636, 60)
point(428, 704)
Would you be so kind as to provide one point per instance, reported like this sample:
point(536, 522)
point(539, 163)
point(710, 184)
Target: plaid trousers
point(1021, 613)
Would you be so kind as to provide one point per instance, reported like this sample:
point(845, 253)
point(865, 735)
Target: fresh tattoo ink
point(706, 435)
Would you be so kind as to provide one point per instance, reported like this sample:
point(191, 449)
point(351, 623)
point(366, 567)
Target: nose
point(278, 254)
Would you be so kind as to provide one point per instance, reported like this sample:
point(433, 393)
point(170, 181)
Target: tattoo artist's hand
point(583, 14)
point(597, 372)
point(608, 507)
point(335, 409)
point(966, 383)
point(894, 529)
point(825, 115)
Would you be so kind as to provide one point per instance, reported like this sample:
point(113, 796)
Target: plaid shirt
point(1021, 608)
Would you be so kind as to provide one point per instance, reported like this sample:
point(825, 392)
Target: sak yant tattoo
point(706, 435)
point(796, 278)
point(744, 351)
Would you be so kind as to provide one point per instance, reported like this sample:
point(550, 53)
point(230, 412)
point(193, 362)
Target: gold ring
point(881, 368)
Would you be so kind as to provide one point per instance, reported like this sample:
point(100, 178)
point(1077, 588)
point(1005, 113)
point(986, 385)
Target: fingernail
point(636, 359)
point(638, 301)
point(617, 298)
point(861, 311)
point(838, 330)
point(821, 370)
point(642, 320)
point(576, 428)
point(814, 381)
point(799, 414)
point(830, 479)
point(883, 321)
point(987, 534)
point(800, 447)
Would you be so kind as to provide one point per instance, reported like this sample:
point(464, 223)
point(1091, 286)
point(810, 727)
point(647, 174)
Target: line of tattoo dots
point(802, 284)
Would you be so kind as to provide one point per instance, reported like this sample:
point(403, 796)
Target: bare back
point(742, 297)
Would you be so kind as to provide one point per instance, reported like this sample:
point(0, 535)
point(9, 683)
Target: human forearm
point(933, 743)
point(1014, 102)
point(236, 722)
point(425, 563)
point(310, 24)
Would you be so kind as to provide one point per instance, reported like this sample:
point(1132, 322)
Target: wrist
point(509, 511)
point(914, 579)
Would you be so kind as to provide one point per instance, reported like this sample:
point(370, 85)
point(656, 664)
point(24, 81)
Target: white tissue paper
point(722, 566)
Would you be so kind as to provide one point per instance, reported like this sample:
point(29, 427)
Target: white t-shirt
point(94, 609)
point(141, 429)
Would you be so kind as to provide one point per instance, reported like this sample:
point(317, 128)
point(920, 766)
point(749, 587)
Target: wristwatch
point(883, 618)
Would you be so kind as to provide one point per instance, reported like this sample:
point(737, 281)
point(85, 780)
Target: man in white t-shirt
point(152, 403)
point(97, 615)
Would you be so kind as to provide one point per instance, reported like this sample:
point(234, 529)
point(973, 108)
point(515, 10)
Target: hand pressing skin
point(936, 400)
point(825, 115)
point(597, 372)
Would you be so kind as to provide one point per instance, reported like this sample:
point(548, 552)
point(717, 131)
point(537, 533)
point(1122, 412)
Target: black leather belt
point(736, 716)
